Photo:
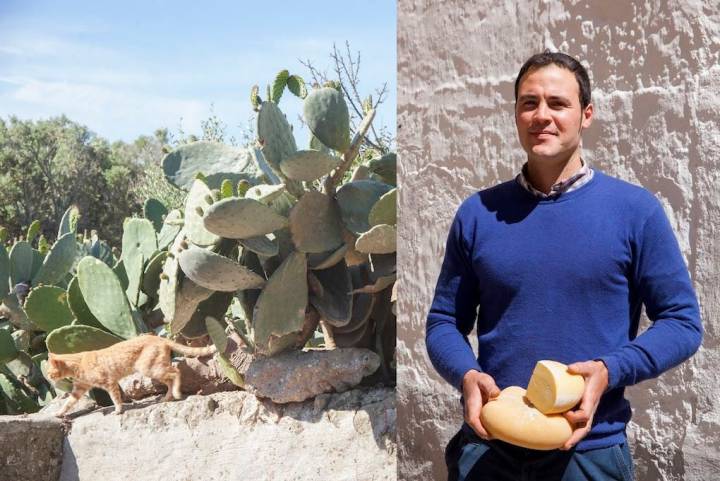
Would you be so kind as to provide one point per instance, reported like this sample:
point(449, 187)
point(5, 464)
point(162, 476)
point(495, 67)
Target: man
point(556, 264)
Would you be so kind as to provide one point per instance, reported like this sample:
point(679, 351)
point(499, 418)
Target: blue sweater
point(565, 280)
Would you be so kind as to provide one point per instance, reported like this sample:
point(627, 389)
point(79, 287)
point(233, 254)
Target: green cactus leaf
point(21, 262)
point(4, 271)
point(47, 307)
point(58, 262)
point(315, 144)
point(104, 296)
point(334, 303)
point(385, 168)
point(236, 218)
point(315, 223)
point(214, 306)
point(217, 272)
point(188, 298)
point(16, 397)
point(79, 338)
point(155, 211)
point(296, 85)
point(362, 308)
point(255, 100)
point(79, 308)
point(169, 278)
point(385, 209)
point(33, 231)
point(8, 351)
point(69, 221)
point(359, 337)
point(265, 193)
point(309, 165)
point(264, 245)
point(280, 310)
point(323, 260)
point(170, 229)
point(119, 270)
point(216, 329)
point(139, 243)
point(327, 117)
point(356, 199)
point(38, 259)
point(279, 84)
point(151, 276)
point(275, 135)
point(17, 314)
point(230, 372)
point(215, 160)
point(381, 239)
point(194, 225)
point(21, 338)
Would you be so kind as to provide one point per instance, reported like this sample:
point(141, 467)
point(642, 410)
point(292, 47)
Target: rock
point(31, 448)
point(235, 435)
point(84, 405)
point(137, 386)
point(299, 375)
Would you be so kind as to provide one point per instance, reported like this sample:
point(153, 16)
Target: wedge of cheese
point(511, 418)
point(553, 389)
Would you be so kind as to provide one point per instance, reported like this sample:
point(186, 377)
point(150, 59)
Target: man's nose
point(542, 113)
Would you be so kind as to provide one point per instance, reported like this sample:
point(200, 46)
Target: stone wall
point(656, 82)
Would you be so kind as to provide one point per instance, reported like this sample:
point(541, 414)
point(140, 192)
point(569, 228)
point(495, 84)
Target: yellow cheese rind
point(552, 389)
point(511, 418)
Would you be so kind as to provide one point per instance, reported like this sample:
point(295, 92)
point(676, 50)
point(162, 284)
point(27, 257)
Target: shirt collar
point(581, 177)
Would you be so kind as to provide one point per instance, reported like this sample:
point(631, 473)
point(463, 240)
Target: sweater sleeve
point(453, 311)
point(663, 282)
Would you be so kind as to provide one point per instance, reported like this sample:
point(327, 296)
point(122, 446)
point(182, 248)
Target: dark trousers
point(470, 458)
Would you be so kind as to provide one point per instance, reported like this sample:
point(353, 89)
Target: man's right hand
point(478, 388)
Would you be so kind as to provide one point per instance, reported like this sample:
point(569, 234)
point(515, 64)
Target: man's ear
point(587, 116)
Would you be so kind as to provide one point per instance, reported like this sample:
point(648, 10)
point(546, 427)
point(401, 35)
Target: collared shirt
point(581, 177)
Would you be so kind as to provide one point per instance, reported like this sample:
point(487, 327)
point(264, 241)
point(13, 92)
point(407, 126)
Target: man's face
point(548, 114)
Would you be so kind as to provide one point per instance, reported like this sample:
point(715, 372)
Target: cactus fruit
point(327, 117)
point(315, 223)
point(237, 218)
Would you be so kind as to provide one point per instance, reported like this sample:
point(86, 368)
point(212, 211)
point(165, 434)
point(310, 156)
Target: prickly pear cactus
point(327, 116)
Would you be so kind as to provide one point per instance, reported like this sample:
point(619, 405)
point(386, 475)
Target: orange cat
point(146, 354)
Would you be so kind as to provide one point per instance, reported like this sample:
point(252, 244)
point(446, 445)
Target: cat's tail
point(191, 351)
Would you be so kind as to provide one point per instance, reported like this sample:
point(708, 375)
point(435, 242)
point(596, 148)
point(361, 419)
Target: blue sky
point(127, 68)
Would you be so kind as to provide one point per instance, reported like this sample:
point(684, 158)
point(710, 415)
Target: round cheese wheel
point(511, 418)
point(552, 389)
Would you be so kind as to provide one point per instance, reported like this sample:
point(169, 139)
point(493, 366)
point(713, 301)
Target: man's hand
point(478, 388)
point(596, 381)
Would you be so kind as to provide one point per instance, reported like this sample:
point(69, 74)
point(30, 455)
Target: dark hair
point(563, 61)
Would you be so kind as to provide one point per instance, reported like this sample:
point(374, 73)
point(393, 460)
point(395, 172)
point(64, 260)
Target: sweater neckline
point(565, 196)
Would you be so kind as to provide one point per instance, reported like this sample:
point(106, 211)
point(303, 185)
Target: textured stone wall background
point(656, 90)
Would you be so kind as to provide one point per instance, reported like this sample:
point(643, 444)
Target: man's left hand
point(596, 381)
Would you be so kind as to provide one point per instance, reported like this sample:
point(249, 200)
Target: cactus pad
point(8, 351)
point(265, 193)
point(384, 168)
point(155, 211)
point(237, 218)
point(139, 243)
point(4, 271)
point(69, 221)
point(309, 165)
point(21, 262)
point(385, 209)
point(79, 338)
point(335, 302)
point(58, 262)
point(170, 229)
point(275, 135)
point(381, 239)
point(323, 260)
point(327, 117)
point(197, 202)
point(105, 297)
point(48, 308)
point(279, 314)
point(315, 223)
point(265, 245)
point(356, 199)
point(215, 160)
point(214, 306)
point(151, 276)
point(77, 305)
point(187, 299)
point(217, 272)
point(216, 329)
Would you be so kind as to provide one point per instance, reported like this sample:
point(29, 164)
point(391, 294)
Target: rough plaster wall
point(656, 82)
